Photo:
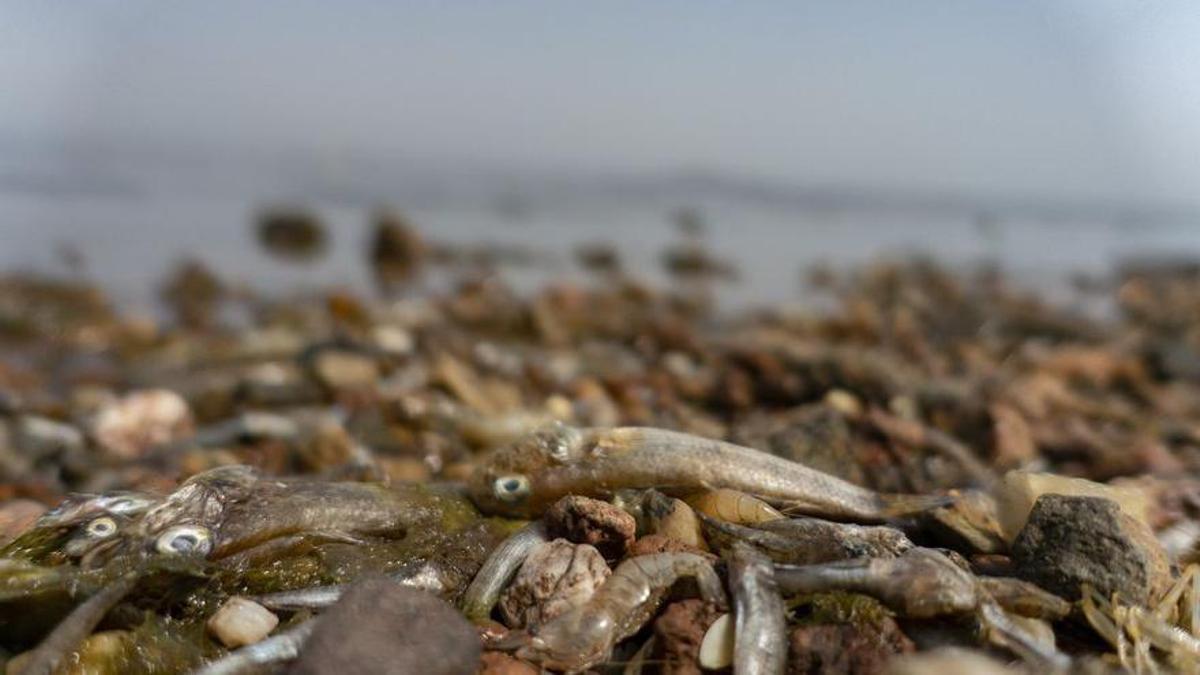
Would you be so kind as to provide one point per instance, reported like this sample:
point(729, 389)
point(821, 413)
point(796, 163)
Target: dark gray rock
point(379, 626)
point(1070, 541)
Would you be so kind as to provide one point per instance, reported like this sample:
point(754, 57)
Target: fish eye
point(511, 488)
point(184, 540)
point(101, 528)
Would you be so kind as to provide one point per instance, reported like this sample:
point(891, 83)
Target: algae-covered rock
point(843, 633)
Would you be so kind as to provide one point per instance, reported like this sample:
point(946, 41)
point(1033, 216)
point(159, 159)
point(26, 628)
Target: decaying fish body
point(923, 583)
point(920, 584)
point(500, 567)
point(243, 532)
point(802, 541)
point(335, 509)
point(84, 527)
point(760, 643)
point(525, 478)
point(232, 511)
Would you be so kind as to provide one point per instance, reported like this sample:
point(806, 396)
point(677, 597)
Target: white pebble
point(716, 649)
point(241, 622)
point(141, 420)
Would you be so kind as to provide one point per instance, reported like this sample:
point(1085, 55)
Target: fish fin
point(897, 505)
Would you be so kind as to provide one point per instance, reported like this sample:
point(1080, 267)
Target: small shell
point(142, 420)
point(716, 650)
point(241, 622)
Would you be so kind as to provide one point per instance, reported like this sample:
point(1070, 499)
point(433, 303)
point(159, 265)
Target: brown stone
point(1012, 438)
point(845, 649)
point(661, 543)
point(591, 521)
point(498, 663)
point(16, 515)
point(678, 632)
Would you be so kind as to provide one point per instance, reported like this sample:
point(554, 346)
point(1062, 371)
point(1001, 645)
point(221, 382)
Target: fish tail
point(898, 505)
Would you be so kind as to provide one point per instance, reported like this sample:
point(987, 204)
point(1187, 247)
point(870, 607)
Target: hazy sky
point(1065, 99)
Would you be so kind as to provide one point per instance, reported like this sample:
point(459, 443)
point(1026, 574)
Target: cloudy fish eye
point(184, 540)
point(101, 528)
point(511, 488)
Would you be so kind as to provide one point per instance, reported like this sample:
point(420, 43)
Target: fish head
point(80, 528)
point(81, 507)
point(89, 539)
point(507, 481)
point(200, 501)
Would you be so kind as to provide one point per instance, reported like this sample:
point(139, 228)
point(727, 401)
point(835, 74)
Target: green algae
point(837, 608)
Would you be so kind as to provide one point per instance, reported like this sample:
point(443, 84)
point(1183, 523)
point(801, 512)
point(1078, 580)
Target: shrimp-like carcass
point(734, 507)
point(525, 478)
point(585, 635)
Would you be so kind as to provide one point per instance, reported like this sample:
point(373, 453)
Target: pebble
point(716, 649)
point(845, 648)
point(1069, 541)
point(1012, 438)
point(380, 626)
point(1019, 490)
point(497, 663)
point(556, 577)
point(949, 661)
point(590, 521)
point(133, 424)
point(661, 543)
point(16, 515)
point(41, 437)
point(291, 233)
point(674, 518)
point(345, 370)
point(249, 427)
point(397, 250)
point(393, 340)
point(686, 637)
point(240, 622)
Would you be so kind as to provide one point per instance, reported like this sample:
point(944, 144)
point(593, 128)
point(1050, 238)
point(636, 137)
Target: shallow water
point(133, 220)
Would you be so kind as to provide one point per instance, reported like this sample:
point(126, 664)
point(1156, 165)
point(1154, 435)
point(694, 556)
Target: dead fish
point(525, 478)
